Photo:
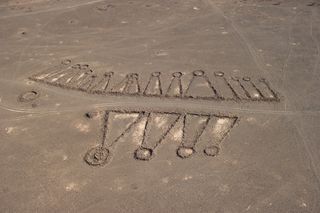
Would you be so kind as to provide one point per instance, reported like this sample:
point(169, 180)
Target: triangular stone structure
point(200, 86)
point(193, 128)
point(175, 87)
point(129, 85)
point(157, 127)
point(153, 87)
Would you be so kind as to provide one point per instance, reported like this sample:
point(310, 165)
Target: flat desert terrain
point(152, 106)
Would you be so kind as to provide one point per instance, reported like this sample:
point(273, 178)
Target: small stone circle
point(97, 156)
point(184, 152)
point(143, 154)
point(212, 151)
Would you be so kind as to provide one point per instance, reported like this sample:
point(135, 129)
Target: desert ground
point(160, 106)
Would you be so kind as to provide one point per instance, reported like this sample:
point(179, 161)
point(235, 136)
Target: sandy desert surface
point(160, 106)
